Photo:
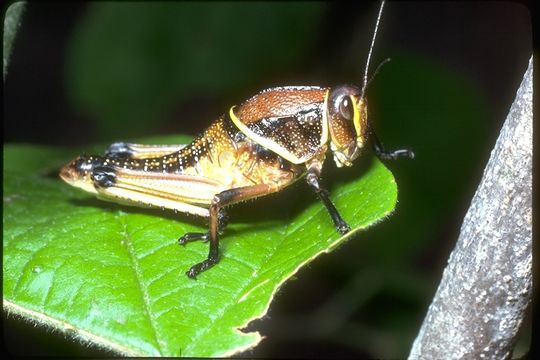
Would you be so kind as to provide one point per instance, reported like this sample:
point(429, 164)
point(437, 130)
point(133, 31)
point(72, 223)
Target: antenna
point(365, 82)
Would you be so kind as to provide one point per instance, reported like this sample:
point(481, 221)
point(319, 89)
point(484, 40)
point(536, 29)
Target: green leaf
point(113, 275)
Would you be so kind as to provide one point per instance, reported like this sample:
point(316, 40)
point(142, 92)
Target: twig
point(11, 25)
point(487, 284)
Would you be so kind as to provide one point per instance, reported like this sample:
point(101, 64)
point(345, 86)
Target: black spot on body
point(119, 150)
point(269, 156)
point(104, 176)
point(87, 163)
point(232, 131)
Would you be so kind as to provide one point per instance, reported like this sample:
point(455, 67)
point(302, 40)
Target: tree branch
point(487, 284)
point(12, 21)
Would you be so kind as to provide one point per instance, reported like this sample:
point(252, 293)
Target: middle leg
point(313, 180)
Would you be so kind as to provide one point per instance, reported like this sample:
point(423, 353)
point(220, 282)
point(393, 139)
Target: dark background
point(86, 73)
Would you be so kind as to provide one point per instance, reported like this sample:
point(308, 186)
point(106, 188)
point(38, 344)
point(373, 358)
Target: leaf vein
point(139, 277)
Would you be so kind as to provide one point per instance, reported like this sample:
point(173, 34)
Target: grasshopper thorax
point(347, 123)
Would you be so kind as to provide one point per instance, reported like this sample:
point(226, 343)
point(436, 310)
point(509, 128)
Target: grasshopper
point(260, 147)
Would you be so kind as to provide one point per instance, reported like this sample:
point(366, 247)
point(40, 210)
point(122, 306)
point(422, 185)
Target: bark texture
point(487, 285)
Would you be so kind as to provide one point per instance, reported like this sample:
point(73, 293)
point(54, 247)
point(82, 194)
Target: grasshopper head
point(347, 122)
point(78, 173)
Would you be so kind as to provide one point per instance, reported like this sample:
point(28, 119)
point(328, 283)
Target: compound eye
point(346, 107)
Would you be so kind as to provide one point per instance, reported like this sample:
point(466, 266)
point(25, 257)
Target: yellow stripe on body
point(273, 146)
point(140, 198)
